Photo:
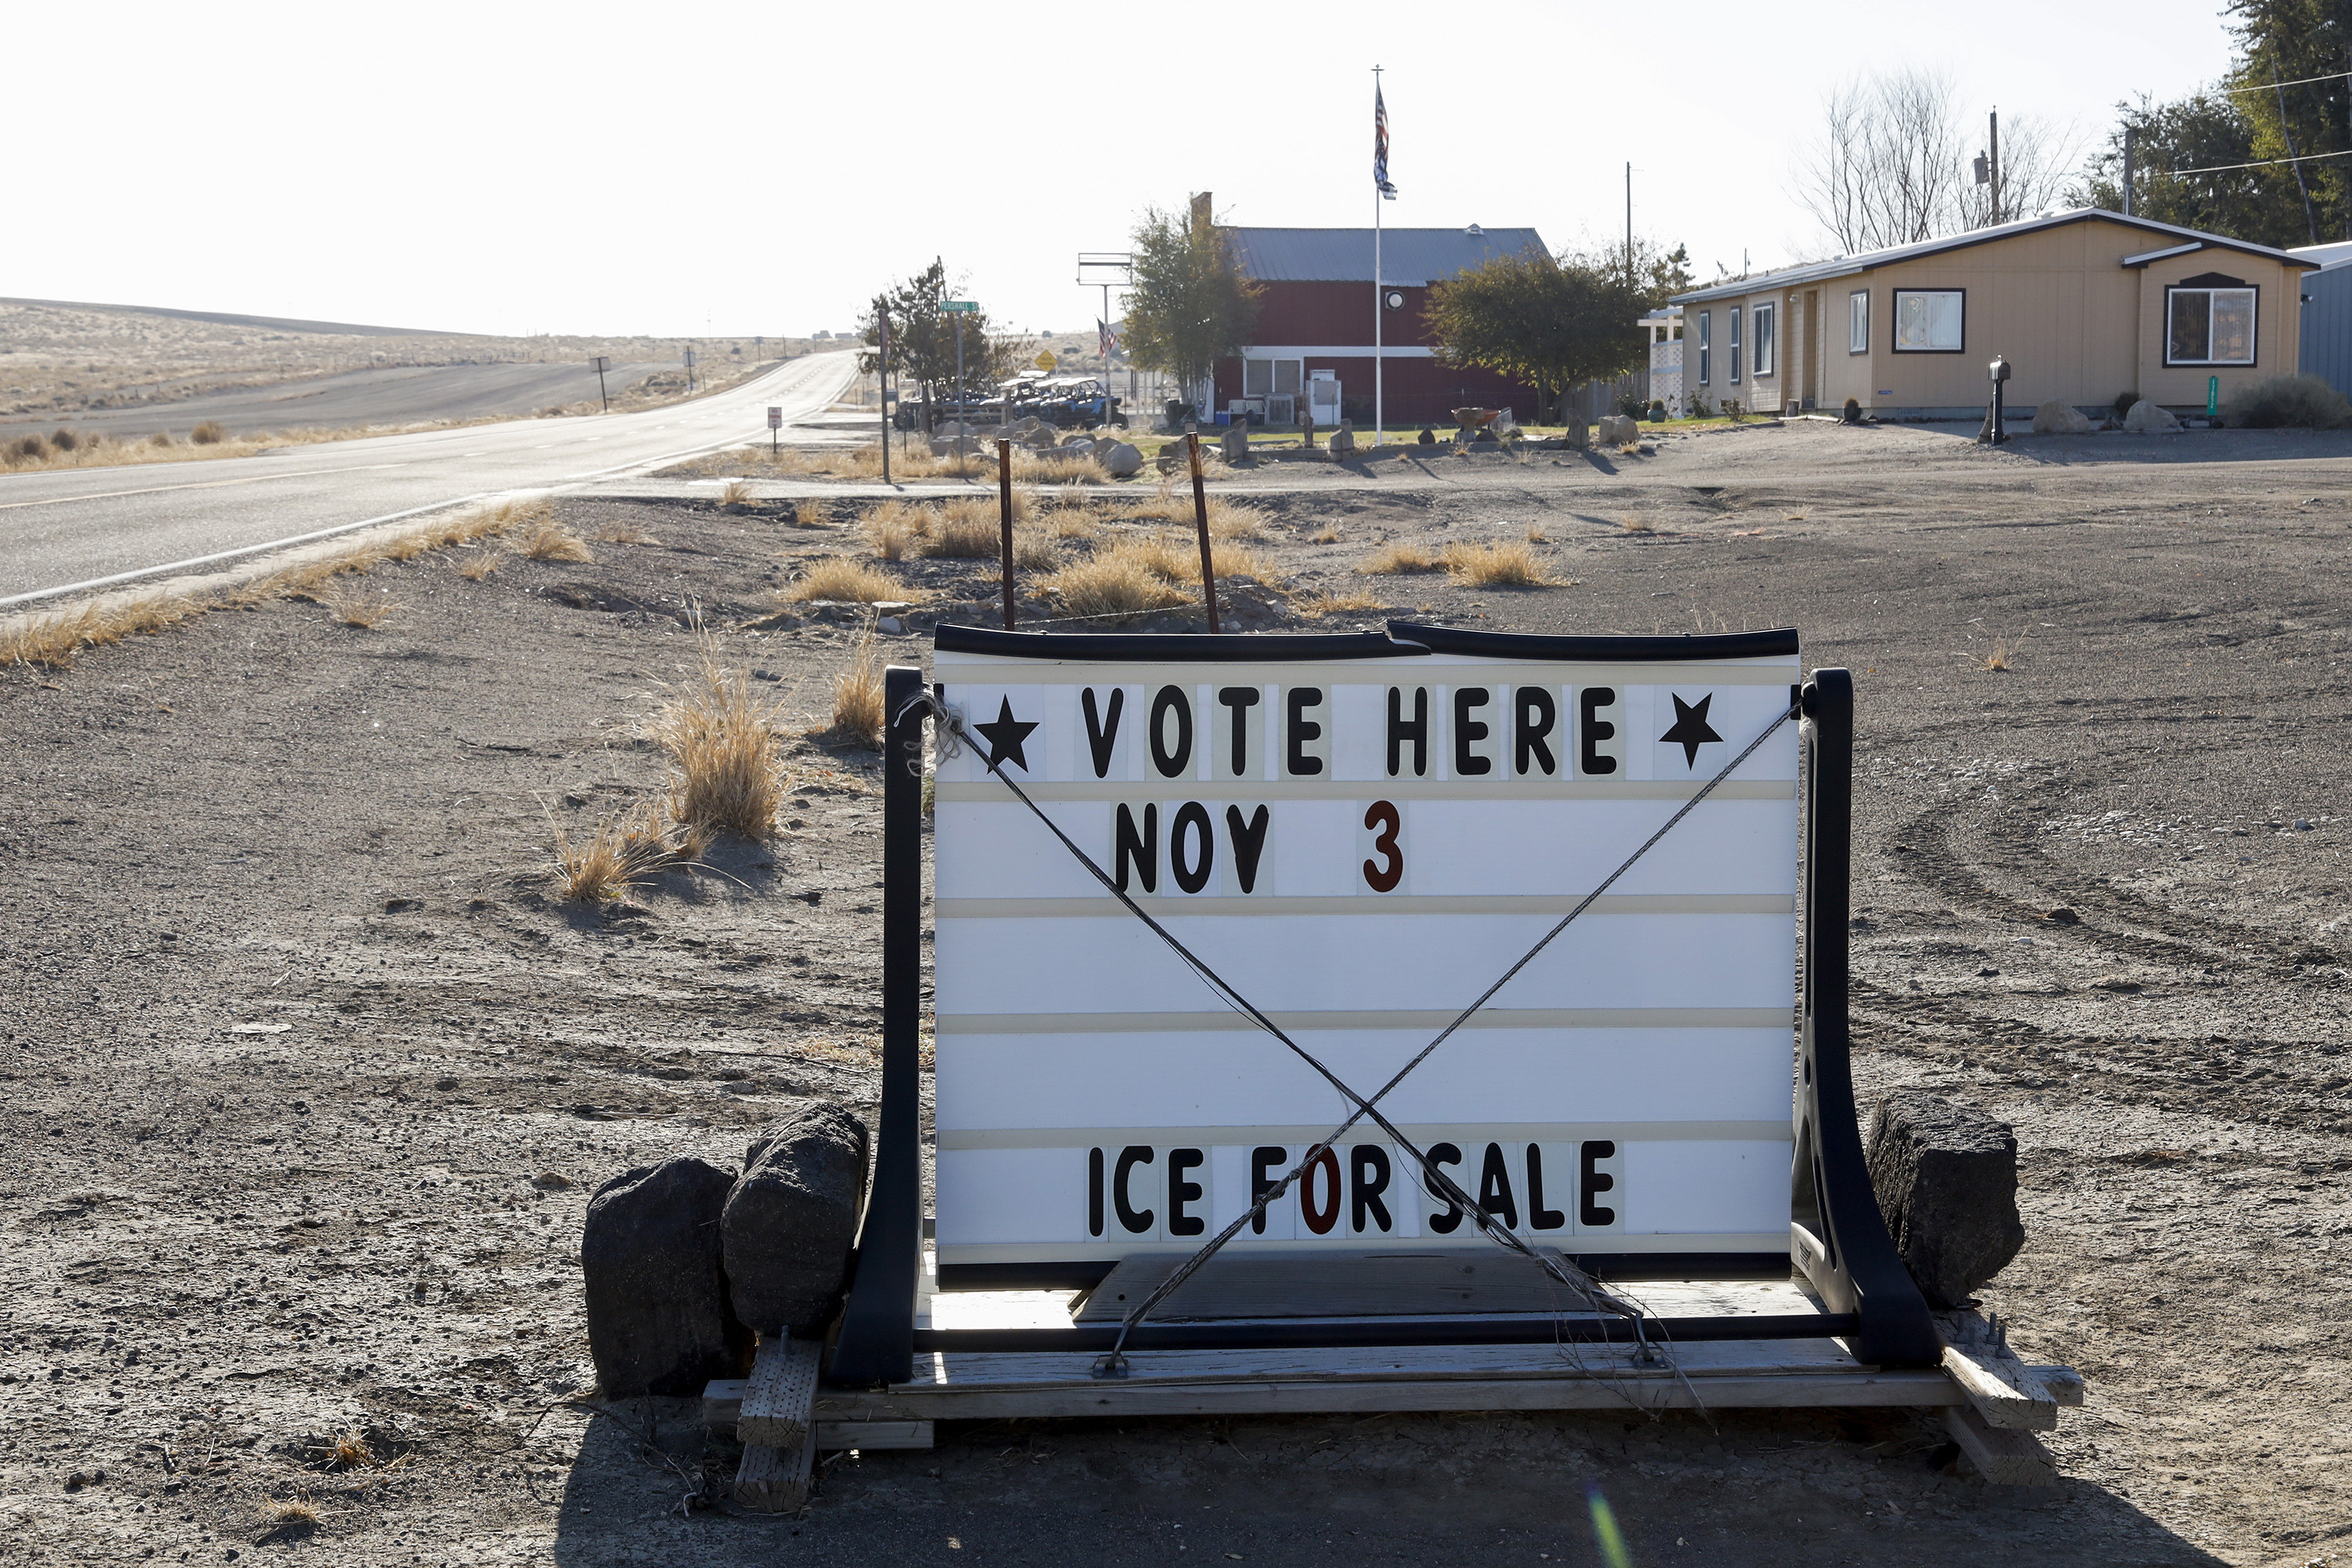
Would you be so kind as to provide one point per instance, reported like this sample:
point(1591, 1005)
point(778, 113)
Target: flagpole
point(1380, 407)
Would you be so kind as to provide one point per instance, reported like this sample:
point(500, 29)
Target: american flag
point(1108, 339)
point(1380, 145)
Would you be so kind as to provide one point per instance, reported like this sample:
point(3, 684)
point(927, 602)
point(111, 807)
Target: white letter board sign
point(1361, 846)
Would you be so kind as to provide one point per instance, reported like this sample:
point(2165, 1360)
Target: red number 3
point(1382, 815)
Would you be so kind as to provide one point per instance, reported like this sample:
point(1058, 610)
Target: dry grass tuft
point(625, 533)
point(211, 432)
point(620, 853)
point(549, 540)
point(52, 639)
point(857, 693)
point(721, 740)
point(478, 567)
point(1036, 551)
point(1326, 534)
point(1999, 659)
point(1535, 534)
point(1635, 525)
point(367, 608)
point(351, 1451)
point(1400, 556)
point(1793, 516)
point(284, 1511)
point(1057, 467)
point(968, 529)
point(1496, 566)
point(897, 528)
point(1122, 581)
point(838, 577)
point(737, 492)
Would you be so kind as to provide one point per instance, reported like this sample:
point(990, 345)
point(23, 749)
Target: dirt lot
point(308, 1075)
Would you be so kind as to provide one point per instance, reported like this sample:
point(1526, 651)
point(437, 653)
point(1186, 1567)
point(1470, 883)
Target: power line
point(2303, 81)
point(2258, 164)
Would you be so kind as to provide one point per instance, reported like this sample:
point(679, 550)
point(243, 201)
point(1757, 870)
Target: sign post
point(960, 308)
point(775, 424)
point(602, 364)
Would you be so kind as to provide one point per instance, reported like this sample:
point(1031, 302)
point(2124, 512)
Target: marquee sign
point(1361, 837)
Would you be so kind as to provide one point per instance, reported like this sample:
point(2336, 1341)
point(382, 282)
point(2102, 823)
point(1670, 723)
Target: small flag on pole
point(1108, 338)
point(1380, 145)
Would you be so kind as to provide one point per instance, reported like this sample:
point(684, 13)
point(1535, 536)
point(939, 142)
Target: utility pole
point(2310, 220)
point(1993, 156)
point(1629, 224)
point(882, 375)
point(2128, 171)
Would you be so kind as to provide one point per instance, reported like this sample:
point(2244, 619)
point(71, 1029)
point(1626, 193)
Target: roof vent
point(1474, 232)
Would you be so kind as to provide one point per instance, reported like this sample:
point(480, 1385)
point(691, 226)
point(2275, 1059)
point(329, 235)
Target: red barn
point(1315, 324)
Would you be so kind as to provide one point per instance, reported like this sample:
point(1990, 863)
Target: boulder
point(1617, 430)
point(1120, 458)
point(1946, 1176)
point(948, 429)
point(2146, 419)
point(792, 1218)
point(657, 1315)
point(1235, 441)
point(2057, 418)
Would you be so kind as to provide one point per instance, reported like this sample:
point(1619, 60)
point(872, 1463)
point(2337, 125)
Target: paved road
point(88, 528)
point(388, 395)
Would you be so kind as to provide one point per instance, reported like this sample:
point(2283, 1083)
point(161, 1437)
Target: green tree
point(1189, 306)
point(2205, 130)
point(2282, 41)
point(1552, 323)
point(924, 337)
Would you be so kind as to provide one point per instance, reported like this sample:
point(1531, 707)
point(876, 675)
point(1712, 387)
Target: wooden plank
point(774, 1480)
point(777, 1396)
point(2004, 1390)
point(722, 1403)
point(2004, 1457)
point(2064, 1383)
point(834, 1436)
point(1286, 1283)
point(1113, 1397)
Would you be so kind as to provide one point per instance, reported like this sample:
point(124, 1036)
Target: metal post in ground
point(1004, 505)
point(1200, 518)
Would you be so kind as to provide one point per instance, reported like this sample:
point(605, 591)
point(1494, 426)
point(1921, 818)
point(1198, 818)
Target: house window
point(1733, 345)
point(2209, 326)
point(1703, 349)
point(1764, 316)
point(1930, 321)
point(1857, 322)
point(1271, 377)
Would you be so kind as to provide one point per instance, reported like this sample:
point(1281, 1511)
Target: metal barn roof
point(1847, 265)
point(1413, 256)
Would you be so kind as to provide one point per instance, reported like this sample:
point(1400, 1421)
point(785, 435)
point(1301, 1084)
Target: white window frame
point(1857, 322)
point(1764, 321)
point(1894, 337)
point(1705, 345)
point(1733, 345)
point(2253, 322)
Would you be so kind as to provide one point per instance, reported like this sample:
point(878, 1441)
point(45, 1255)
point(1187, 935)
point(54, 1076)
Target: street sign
point(1045, 359)
point(959, 304)
point(775, 418)
point(602, 364)
point(1360, 841)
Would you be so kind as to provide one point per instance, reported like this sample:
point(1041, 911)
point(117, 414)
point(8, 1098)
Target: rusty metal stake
point(1199, 516)
point(1004, 501)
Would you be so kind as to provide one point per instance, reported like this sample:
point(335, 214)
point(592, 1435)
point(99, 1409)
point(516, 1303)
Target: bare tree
point(1893, 163)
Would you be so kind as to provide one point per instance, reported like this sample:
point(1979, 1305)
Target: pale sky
point(741, 168)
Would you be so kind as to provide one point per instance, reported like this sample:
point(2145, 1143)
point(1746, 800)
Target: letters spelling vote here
point(1361, 847)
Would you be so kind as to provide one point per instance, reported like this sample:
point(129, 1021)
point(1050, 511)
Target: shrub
point(65, 440)
point(2123, 403)
point(211, 432)
point(28, 449)
point(840, 579)
point(161, 438)
point(1698, 406)
point(2288, 403)
point(1633, 406)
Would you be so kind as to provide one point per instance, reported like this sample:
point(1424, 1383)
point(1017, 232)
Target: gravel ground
point(308, 1074)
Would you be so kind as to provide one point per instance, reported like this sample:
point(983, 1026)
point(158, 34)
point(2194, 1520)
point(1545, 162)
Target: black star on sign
point(1691, 728)
point(1005, 734)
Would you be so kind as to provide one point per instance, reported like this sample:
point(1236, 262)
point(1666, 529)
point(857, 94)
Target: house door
point(1809, 335)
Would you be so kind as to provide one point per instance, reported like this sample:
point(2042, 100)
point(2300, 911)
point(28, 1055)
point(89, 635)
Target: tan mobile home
point(2085, 305)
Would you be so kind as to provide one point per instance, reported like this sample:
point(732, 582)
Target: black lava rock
point(1945, 1177)
point(658, 1317)
point(792, 1218)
